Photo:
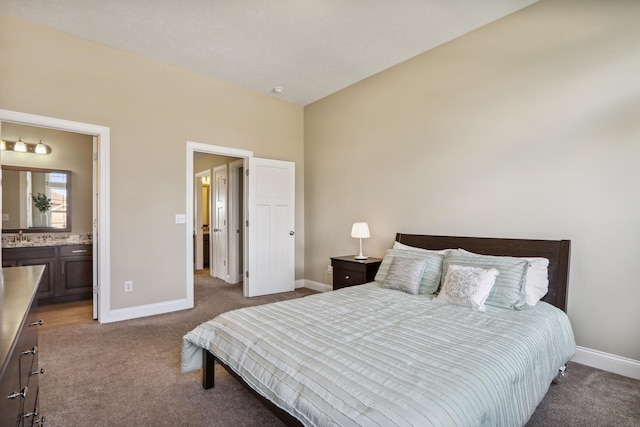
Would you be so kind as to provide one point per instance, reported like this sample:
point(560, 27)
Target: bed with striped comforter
point(368, 356)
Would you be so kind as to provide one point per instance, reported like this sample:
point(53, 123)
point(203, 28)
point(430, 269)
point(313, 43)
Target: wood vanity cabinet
point(44, 255)
point(68, 272)
point(75, 277)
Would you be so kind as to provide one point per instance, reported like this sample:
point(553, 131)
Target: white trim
point(316, 286)
point(103, 229)
point(607, 362)
point(191, 148)
point(145, 310)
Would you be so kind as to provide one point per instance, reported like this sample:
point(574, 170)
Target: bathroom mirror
point(35, 200)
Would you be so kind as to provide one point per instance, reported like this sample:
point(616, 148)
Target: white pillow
point(398, 245)
point(467, 286)
point(537, 279)
point(537, 284)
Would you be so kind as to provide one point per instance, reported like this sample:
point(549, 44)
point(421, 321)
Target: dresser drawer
point(343, 278)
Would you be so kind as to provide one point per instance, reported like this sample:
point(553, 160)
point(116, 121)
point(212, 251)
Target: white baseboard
point(607, 362)
point(120, 314)
point(316, 286)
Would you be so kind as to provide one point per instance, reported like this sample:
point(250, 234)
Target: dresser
point(19, 374)
point(349, 271)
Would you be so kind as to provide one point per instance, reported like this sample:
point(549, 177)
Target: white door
point(236, 220)
point(270, 222)
point(220, 222)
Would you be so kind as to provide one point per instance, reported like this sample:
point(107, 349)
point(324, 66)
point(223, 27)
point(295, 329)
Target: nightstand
point(349, 271)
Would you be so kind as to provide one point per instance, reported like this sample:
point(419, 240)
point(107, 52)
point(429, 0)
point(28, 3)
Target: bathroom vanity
point(68, 274)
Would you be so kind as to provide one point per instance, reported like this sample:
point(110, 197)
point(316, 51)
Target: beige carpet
point(128, 374)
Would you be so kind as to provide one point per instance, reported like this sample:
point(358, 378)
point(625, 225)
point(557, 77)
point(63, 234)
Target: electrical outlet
point(128, 286)
point(181, 219)
point(330, 269)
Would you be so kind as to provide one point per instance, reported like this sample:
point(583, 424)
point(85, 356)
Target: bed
point(388, 354)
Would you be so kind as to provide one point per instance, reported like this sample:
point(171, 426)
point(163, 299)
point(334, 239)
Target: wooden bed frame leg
point(208, 372)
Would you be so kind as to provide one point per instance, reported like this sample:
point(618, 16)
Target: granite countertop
point(33, 241)
point(48, 243)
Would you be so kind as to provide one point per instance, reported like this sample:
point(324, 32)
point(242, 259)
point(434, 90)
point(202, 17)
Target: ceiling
point(309, 48)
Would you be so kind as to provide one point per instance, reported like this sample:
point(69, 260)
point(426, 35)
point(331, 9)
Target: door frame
point(191, 148)
point(101, 227)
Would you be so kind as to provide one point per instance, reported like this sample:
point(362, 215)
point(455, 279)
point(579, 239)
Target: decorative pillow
point(467, 286)
point(509, 289)
point(537, 280)
point(405, 275)
point(431, 276)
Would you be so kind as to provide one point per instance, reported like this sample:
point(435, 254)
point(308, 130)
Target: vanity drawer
point(29, 253)
point(76, 250)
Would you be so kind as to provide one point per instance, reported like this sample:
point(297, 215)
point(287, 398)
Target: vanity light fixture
point(20, 146)
point(360, 230)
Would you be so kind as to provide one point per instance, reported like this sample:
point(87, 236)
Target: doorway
point(218, 216)
point(202, 219)
point(100, 229)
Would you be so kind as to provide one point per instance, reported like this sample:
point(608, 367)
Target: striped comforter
point(367, 356)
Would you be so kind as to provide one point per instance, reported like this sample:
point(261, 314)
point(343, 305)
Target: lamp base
point(361, 257)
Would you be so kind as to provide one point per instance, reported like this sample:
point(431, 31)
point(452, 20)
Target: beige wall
point(526, 128)
point(152, 109)
point(69, 151)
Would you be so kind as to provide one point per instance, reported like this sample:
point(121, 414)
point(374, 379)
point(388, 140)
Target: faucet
point(19, 235)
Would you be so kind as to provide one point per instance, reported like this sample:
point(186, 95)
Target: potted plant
point(42, 202)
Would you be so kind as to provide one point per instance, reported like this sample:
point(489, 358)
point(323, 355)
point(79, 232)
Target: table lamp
point(360, 230)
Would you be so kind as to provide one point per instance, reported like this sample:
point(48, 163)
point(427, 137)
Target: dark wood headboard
point(556, 251)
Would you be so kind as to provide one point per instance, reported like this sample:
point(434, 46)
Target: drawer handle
point(38, 372)
point(34, 414)
point(79, 251)
point(346, 277)
point(34, 350)
point(37, 323)
point(22, 394)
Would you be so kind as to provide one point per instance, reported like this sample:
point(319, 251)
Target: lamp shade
point(41, 148)
point(360, 230)
point(20, 146)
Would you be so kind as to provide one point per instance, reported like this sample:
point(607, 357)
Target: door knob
point(291, 233)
